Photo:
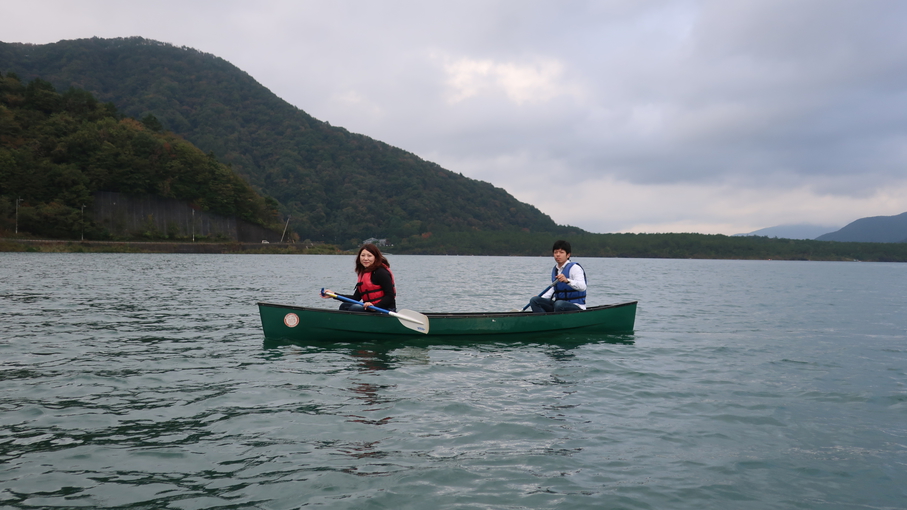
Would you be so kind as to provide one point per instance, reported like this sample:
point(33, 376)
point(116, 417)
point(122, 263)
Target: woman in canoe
point(375, 284)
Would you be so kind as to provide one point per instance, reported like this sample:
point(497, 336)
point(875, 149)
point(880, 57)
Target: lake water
point(143, 381)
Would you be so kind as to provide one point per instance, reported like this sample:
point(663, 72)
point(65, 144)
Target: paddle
point(540, 295)
point(408, 318)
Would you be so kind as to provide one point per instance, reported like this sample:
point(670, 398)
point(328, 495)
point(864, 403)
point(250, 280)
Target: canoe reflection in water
point(370, 361)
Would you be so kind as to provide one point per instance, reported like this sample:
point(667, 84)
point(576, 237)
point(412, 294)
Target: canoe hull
point(317, 324)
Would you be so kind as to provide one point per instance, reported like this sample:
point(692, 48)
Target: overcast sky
point(715, 116)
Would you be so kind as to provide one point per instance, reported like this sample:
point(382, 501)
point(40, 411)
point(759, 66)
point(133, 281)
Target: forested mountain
point(57, 150)
point(337, 186)
point(874, 229)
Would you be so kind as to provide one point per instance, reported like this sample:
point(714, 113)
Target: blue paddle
point(540, 294)
point(408, 318)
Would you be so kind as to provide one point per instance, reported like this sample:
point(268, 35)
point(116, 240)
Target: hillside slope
point(336, 185)
point(875, 229)
point(58, 150)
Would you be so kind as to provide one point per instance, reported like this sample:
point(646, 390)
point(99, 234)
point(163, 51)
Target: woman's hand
point(324, 295)
point(366, 305)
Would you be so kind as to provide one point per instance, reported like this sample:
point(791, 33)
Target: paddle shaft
point(540, 295)
point(382, 310)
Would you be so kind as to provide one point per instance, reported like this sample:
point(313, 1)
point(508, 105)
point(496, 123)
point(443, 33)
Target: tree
point(58, 150)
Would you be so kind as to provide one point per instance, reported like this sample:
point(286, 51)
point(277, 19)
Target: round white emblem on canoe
point(291, 320)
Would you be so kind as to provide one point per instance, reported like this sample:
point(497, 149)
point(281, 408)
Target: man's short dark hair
point(561, 245)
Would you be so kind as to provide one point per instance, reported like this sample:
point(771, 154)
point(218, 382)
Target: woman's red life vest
point(370, 292)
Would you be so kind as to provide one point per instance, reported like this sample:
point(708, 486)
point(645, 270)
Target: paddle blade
point(412, 320)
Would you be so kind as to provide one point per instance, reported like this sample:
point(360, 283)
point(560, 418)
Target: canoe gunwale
point(454, 315)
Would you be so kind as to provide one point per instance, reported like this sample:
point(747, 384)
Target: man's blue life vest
point(563, 291)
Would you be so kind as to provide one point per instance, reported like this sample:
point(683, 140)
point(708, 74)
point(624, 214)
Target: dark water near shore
point(143, 381)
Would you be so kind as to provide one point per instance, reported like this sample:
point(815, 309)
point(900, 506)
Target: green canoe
point(318, 324)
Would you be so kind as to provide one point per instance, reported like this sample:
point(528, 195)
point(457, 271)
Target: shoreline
point(845, 252)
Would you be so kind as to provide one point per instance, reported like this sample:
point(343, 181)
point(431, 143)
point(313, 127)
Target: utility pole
point(17, 214)
point(285, 229)
point(82, 222)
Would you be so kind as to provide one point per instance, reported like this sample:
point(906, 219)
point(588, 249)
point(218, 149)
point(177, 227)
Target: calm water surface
point(144, 382)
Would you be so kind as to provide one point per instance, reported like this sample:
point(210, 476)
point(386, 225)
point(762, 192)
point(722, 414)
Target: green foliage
point(56, 150)
point(337, 186)
point(151, 122)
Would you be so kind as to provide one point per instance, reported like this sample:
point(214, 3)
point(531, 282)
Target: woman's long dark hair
point(379, 259)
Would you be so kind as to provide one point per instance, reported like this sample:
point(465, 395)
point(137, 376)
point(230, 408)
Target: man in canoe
point(375, 283)
point(568, 284)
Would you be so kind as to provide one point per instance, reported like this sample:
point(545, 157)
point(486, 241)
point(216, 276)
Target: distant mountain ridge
point(802, 231)
point(874, 229)
point(336, 186)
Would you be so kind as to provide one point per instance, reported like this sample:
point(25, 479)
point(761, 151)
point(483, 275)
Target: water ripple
point(143, 381)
